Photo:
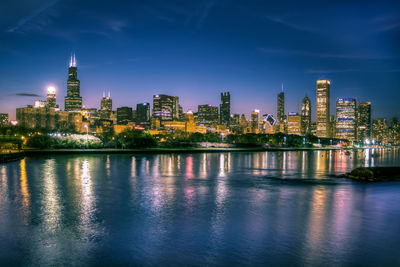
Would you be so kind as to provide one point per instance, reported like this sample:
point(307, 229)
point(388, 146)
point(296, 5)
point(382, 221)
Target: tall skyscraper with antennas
point(73, 100)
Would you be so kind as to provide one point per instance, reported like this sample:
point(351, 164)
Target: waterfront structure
point(255, 121)
point(143, 114)
point(363, 121)
point(294, 123)
point(124, 115)
point(225, 109)
point(106, 107)
point(380, 131)
point(3, 119)
point(207, 115)
point(165, 107)
point(51, 97)
point(306, 116)
point(346, 118)
point(323, 107)
point(73, 100)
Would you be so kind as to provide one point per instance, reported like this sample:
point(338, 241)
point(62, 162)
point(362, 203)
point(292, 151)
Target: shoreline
point(32, 152)
point(13, 156)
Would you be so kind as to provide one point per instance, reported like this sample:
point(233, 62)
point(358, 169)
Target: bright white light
point(51, 90)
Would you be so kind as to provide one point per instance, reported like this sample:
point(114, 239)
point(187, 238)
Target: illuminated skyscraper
point(225, 109)
point(73, 100)
point(306, 116)
point(143, 114)
point(255, 121)
point(323, 100)
point(190, 126)
point(243, 123)
point(124, 115)
point(165, 107)
point(207, 115)
point(346, 118)
point(281, 107)
point(51, 97)
point(235, 123)
point(363, 121)
point(106, 107)
point(294, 123)
point(270, 123)
point(380, 130)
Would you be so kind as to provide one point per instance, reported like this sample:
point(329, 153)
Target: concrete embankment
point(13, 156)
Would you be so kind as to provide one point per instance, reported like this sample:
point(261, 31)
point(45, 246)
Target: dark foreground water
point(275, 208)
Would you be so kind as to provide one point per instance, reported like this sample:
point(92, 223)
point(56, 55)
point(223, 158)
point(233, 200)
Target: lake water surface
point(240, 208)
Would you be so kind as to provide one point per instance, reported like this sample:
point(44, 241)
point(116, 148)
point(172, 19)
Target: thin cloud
point(25, 95)
point(25, 20)
point(281, 20)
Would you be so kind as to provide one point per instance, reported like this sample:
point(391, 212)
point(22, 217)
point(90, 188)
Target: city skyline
point(193, 52)
point(72, 78)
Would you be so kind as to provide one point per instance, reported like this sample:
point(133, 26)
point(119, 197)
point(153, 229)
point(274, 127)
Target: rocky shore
point(374, 174)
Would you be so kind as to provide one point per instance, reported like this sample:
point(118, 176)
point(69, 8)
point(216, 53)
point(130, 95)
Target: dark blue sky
point(197, 49)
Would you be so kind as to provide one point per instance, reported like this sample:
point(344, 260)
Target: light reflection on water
point(216, 208)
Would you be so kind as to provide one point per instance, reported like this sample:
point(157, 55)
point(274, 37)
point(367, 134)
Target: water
point(275, 208)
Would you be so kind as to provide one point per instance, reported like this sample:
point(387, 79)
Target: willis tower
point(73, 100)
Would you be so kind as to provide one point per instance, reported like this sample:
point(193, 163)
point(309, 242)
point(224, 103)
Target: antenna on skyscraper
point(74, 63)
point(104, 94)
point(109, 94)
point(70, 61)
point(282, 87)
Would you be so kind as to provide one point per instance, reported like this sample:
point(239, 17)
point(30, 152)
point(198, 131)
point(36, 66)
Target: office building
point(269, 123)
point(143, 114)
point(190, 123)
point(124, 115)
point(281, 107)
point(235, 123)
point(36, 117)
point(346, 118)
point(73, 100)
point(255, 121)
point(363, 121)
point(294, 123)
point(106, 107)
point(323, 113)
point(165, 107)
point(380, 130)
point(225, 109)
point(306, 116)
point(207, 115)
point(51, 97)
